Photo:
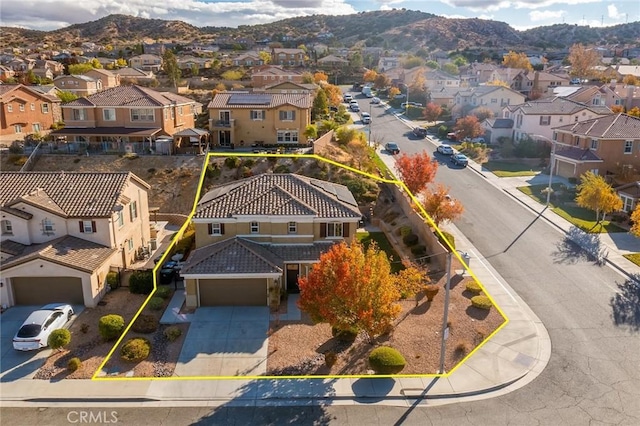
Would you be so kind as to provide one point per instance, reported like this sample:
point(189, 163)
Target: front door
point(293, 270)
point(224, 137)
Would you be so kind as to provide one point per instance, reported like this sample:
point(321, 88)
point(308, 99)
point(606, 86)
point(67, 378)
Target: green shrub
point(163, 292)
point(213, 171)
point(410, 240)
point(448, 237)
point(386, 360)
point(232, 162)
point(249, 162)
point(482, 302)
point(145, 324)
point(59, 338)
point(156, 303)
point(473, 287)
point(418, 250)
point(282, 168)
point(172, 333)
point(112, 279)
point(74, 364)
point(135, 350)
point(186, 242)
point(141, 282)
point(405, 230)
point(347, 335)
point(330, 359)
point(110, 326)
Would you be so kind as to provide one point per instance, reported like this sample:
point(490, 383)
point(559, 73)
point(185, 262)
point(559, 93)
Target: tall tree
point(498, 83)
point(635, 218)
point(416, 171)
point(451, 68)
point(432, 111)
point(351, 288)
point(482, 113)
point(517, 60)
point(334, 94)
point(393, 92)
point(265, 56)
point(320, 107)
point(381, 81)
point(582, 60)
point(320, 76)
point(594, 193)
point(440, 206)
point(171, 68)
point(468, 127)
point(67, 96)
point(369, 76)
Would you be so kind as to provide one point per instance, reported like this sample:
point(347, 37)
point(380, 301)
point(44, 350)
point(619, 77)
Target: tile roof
point(500, 123)
point(69, 251)
point(241, 256)
point(6, 89)
point(130, 96)
point(278, 195)
point(271, 100)
point(614, 126)
point(68, 194)
point(133, 72)
point(579, 154)
point(631, 188)
point(113, 131)
point(12, 248)
point(556, 105)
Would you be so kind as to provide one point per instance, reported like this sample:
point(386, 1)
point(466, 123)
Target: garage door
point(565, 169)
point(247, 292)
point(43, 290)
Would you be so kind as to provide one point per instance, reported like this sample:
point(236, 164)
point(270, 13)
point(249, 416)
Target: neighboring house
point(493, 98)
point(540, 82)
point(20, 65)
point(289, 87)
point(135, 75)
point(244, 118)
point(386, 63)
point(25, 111)
point(257, 236)
point(603, 145)
point(248, 59)
point(79, 85)
point(628, 70)
point(269, 75)
point(332, 61)
point(146, 62)
point(496, 128)
point(189, 62)
point(445, 96)
point(437, 79)
point(621, 94)
point(6, 73)
point(125, 119)
point(541, 116)
point(43, 73)
point(288, 57)
point(109, 79)
point(157, 49)
point(630, 194)
point(56, 67)
point(62, 232)
point(588, 95)
point(478, 72)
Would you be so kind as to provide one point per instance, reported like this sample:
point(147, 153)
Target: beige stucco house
point(256, 236)
point(79, 85)
point(62, 232)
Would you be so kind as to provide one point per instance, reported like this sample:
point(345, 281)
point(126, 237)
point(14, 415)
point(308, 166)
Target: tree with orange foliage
point(334, 94)
point(440, 206)
point(320, 76)
point(432, 111)
point(517, 60)
point(370, 76)
point(381, 81)
point(393, 92)
point(351, 288)
point(498, 83)
point(411, 280)
point(468, 127)
point(634, 112)
point(631, 80)
point(582, 60)
point(416, 171)
point(617, 109)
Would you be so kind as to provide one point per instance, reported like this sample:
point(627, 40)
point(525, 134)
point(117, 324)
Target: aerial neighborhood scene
point(395, 213)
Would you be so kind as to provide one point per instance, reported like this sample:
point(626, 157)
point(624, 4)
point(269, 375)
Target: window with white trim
point(257, 115)
point(628, 147)
point(292, 228)
point(142, 114)
point(35, 127)
point(109, 114)
point(47, 227)
point(628, 204)
point(7, 228)
point(120, 219)
point(21, 107)
point(79, 114)
point(334, 229)
point(545, 120)
point(287, 115)
point(594, 143)
point(9, 108)
point(87, 227)
point(45, 108)
point(215, 229)
point(133, 210)
point(255, 227)
point(288, 136)
point(33, 106)
point(17, 128)
point(130, 244)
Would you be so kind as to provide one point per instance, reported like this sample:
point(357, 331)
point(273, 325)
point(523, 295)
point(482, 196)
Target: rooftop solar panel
point(249, 99)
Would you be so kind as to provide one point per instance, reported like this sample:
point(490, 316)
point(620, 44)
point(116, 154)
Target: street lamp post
point(551, 165)
point(370, 124)
point(445, 329)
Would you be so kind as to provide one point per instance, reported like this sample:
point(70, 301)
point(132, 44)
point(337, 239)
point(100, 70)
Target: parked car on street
point(452, 136)
point(366, 118)
point(354, 107)
point(420, 132)
point(445, 149)
point(392, 148)
point(460, 160)
point(347, 98)
point(375, 100)
point(34, 332)
point(413, 104)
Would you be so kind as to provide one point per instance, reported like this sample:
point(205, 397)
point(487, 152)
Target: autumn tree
point(440, 206)
point(265, 56)
point(411, 280)
point(517, 60)
point(307, 78)
point(432, 111)
point(381, 81)
point(482, 113)
point(635, 218)
point(634, 112)
point(468, 127)
point(67, 96)
point(617, 109)
point(631, 80)
point(582, 60)
point(498, 83)
point(334, 94)
point(594, 193)
point(418, 88)
point(416, 171)
point(351, 288)
point(171, 68)
point(370, 76)
point(393, 92)
point(320, 76)
point(76, 69)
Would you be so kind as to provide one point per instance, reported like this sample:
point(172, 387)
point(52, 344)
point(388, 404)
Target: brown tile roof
point(16, 212)
point(68, 251)
point(579, 154)
point(278, 195)
point(7, 89)
point(614, 126)
point(68, 194)
point(132, 96)
point(556, 105)
point(12, 248)
point(259, 100)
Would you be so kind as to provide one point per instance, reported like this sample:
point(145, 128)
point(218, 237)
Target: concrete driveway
point(226, 341)
point(15, 365)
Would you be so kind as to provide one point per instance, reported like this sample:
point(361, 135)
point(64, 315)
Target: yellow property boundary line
point(180, 232)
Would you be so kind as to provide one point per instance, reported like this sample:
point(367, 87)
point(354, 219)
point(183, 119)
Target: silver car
point(34, 332)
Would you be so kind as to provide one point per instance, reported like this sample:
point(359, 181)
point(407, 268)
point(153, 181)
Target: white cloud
point(546, 15)
point(486, 17)
point(493, 5)
point(613, 12)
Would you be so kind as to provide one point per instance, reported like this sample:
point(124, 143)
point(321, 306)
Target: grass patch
point(508, 169)
point(365, 238)
point(380, 165)
point(633, 257)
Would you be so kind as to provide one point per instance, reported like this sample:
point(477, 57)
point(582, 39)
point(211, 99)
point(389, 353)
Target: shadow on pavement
point(580, 246)
point(625, 304)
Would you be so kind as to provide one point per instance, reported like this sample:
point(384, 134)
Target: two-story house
point(437, 79)
point(62, 232)
point(603, 145)
point(270, 74)
point(493, 98)
point(538, 82)
point(332, 61)
point(146, 62)
point(288, 57)
point(247, 59)
point(79, 85)
point(24, 111)
point(134, 75)
point(258, 235)
point(541, 116)
point(125, 119)
point(109, 79)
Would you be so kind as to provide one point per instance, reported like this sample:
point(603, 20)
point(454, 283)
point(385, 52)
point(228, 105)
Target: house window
point(166, 114)
point(180, 110)
point(216, 229)
point(519, 121)
point(21, 107)
point(257, 115)
point(334, 229)
point(36, 127)
point(576, 140)
point(293, 228)
point(45, 108)
point(628, 204)
point(109, 114)
point(142, 114)
point(287, 115)
point(545, 120)
point(120, 219)
point(9, 108)
point(255, 227)
point(17, 128)
point(288, 136)
point(47, 227)
point(33, 106)
point(628, 147)
point(7, 228)
point(87, 226)
point(494, 100)
point(130, 244)
point(133, 210)
point(79, 114)
point(594, 144)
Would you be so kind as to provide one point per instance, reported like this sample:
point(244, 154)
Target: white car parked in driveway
point(34, 332)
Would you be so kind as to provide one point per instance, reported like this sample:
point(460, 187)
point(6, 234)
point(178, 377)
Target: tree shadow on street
point(625, 304)
point(579, 246)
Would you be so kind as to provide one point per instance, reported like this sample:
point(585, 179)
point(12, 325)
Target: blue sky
point(520, 14)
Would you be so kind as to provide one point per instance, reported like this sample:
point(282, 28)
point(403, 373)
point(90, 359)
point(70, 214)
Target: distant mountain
point(391, 29)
